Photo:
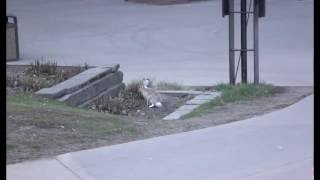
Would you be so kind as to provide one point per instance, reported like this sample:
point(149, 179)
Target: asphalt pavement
point(186, 43)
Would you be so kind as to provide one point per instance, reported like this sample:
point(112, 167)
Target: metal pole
point(231, 43)
point(256, 41)
point(243, 41)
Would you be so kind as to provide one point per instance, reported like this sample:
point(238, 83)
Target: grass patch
point(32, 101)
point(48, 113)
point(231, 94)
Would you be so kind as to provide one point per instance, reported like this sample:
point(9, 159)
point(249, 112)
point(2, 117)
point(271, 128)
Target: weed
point(39, 67)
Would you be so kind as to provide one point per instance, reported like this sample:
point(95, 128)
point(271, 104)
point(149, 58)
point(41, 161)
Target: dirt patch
point(34, 132)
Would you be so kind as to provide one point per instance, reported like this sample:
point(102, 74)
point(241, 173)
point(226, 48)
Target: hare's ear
point(147, 81)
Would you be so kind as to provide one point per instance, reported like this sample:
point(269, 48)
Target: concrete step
point(86, 87)
point(111, 92)
point(192, 105)
point(93, 89)
point(77, 82)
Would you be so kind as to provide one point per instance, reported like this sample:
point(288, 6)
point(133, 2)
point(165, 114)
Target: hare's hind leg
point(147, 101)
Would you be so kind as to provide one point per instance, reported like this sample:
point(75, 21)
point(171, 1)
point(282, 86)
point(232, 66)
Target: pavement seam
point(69, 169)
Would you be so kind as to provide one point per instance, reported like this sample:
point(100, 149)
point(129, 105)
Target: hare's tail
point(158, 104)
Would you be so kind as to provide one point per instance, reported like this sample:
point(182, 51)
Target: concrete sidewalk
point(278, 145)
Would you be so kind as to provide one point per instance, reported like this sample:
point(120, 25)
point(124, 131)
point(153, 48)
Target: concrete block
point(187, 107)
point(114, 67)
point(197, 101)
point(75, 83)
point(192, 104)
point(174, 116)
point(93, 89)
point(207, 96)
point(112, 92)
point(183, 110)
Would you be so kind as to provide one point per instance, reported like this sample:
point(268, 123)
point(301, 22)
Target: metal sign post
point(258, 11)
point(256, 41)
point(231, 43)
point(243, 41)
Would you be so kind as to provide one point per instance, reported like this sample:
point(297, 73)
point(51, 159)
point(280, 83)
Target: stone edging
point(192, 104)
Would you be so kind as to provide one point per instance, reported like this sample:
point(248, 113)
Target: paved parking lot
point(185, 43)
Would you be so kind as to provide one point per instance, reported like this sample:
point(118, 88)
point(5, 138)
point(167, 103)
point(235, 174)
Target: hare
point(152, 98)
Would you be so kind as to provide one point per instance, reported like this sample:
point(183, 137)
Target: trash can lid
point(11, 15)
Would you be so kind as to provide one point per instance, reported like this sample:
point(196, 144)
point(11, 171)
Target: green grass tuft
point(236, 93)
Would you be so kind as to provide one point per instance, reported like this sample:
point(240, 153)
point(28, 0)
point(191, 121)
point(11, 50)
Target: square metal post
point(256, 41)
point(231, 43)
point(244, 41)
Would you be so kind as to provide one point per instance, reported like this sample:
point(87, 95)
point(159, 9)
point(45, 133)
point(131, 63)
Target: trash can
point(12, 52)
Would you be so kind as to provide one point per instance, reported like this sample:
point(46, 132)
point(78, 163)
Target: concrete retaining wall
point(87, 86)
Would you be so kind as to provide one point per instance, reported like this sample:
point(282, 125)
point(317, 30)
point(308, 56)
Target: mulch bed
point(132, 104)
